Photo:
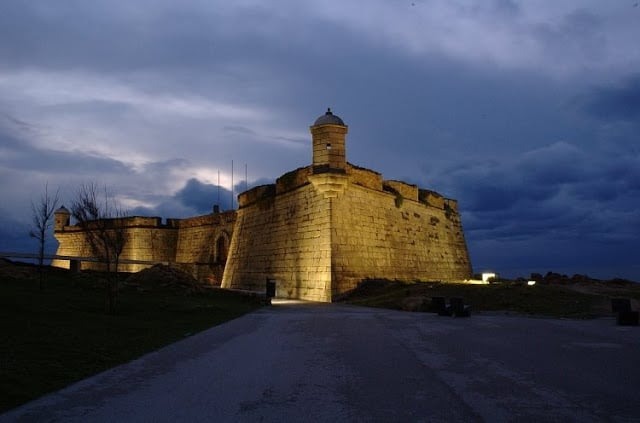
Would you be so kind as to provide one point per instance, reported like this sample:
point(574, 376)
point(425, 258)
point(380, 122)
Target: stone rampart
point(364, 177)
point(431, 198)
point(286, 238)
point(255, 194)
point(407, 191)
point(71, 243)
point(198, 244)
point(292, 180)
point(318, 231)
point(202, 245)
point(318, 246)
point(374, 236)
point(155, 244)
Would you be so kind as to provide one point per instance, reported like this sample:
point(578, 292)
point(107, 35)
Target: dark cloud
point(522, 257)
point(201, 197)
point(196, 198)
point(614, 103)
point(557, 195)
point(14, 236)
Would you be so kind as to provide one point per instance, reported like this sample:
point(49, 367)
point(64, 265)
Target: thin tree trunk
point(40, 265)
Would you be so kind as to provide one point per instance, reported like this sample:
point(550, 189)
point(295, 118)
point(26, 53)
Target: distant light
point(475, 282)
point(531, 283)
point(488, 275)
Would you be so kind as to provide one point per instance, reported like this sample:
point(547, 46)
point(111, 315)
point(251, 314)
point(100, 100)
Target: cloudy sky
point(527, 112)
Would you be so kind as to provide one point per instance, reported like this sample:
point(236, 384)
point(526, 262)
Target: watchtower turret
point(62, 218)
point(328, 134)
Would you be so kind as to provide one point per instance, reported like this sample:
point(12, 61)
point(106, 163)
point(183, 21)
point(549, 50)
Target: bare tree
point(42, 214)
point(103, 222)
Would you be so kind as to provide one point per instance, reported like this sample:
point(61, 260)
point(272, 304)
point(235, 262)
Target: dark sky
point(528, 112)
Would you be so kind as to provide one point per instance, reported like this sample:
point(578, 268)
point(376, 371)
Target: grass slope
point(54, 337)
point(580, 300)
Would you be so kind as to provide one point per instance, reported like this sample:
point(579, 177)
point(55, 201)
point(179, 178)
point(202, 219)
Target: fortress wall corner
point(285, 237)
point(71, 242)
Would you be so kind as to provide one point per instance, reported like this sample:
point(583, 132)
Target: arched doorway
point(222, 250)
point(218, 258)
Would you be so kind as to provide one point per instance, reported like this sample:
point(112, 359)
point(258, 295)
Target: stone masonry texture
point(318, 232)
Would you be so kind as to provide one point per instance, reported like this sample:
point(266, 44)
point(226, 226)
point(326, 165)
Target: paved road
point(319, 362)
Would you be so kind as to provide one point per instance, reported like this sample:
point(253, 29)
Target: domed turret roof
point(63, 209)
point(328, 119)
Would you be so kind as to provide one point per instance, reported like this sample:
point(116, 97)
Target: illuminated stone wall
point(202, 245)
point(376, 236)
point(286, 237)
point(71, 242)
point(148, 243)
point(318, 246)
point(198, 245)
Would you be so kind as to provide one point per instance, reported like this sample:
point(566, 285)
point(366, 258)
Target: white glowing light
point(488, 275)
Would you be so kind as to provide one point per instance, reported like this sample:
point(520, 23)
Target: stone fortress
point(318, 231)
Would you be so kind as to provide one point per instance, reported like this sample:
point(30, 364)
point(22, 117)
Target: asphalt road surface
point(323, 362)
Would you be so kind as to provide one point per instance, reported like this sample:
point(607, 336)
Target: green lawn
point(53, 337)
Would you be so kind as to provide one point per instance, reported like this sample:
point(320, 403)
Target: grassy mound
point(582, 299)
point(162, 276)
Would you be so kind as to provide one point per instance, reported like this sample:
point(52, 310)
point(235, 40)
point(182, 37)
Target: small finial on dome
point(329, 119)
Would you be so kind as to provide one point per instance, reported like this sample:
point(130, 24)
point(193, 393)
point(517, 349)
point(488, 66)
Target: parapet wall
point(431, 198)
point(407, 191)
point(292, 180)
point(364, 177)
point(144, 242)
point(198, 244)
point(256, 194)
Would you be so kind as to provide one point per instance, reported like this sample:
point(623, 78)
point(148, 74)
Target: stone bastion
point(319, 231)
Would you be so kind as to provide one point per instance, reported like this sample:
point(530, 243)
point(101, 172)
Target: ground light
point(488, 275)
